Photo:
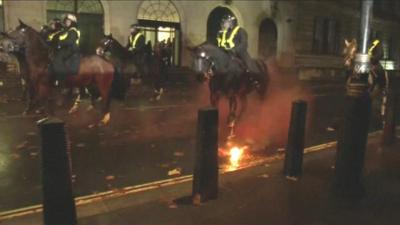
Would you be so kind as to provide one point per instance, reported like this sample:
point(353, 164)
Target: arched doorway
point(268, 37)
point(214, 21)
point(90, 18)
point(160, 22)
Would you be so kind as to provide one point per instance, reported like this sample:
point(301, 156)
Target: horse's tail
point(118, 86)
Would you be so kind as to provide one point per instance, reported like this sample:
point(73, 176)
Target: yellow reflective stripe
point(230, 40)
point(223, 41)
point(133, 42)
point(374, 44)
point(219, 41)
point(51, 36)
point(228, 43)
point(65, 35)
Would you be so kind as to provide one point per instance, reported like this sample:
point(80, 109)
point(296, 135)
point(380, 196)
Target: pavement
point(261, 195)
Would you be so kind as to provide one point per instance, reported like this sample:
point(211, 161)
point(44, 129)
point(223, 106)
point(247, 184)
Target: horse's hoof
point(105, 120)
point(25, 113)
point(74, 109)
point(89, 108)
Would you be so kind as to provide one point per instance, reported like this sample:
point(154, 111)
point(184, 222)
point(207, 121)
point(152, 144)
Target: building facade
point(304, 35)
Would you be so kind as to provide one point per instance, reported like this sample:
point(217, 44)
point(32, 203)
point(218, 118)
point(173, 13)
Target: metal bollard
point(205, 176)
point(58, 200)
point(295, 147)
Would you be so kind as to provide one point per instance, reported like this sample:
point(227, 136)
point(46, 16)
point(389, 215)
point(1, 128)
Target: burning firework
point(234, 154)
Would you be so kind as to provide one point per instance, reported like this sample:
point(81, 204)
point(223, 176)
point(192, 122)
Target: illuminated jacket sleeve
point(241, 40)
point(70, 40)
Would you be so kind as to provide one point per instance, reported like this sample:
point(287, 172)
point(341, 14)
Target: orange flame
point(235, 154)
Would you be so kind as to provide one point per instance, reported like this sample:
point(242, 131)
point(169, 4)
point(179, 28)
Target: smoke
point(265, 124)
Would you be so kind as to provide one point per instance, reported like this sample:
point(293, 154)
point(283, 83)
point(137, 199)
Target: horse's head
point(20, 35)
point(105, 44)
point(203, 62)
point(349, 51)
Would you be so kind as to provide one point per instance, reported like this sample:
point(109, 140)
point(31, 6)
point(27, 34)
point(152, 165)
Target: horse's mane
point(118, 47)
point(37, 36)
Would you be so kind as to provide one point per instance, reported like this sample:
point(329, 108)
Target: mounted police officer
point(137, 47)
point(136, 40)
point(67, 56)
point(233, 39)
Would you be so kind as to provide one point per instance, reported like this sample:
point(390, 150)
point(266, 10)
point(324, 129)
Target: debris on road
point(179, 154)
point(22, 145)
point(175, 172)
point(81, 145)
point(110, 177)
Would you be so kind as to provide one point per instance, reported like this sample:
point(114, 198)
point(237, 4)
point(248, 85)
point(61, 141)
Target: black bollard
point(58, 200)
point(389, 127)
point(295, 146)
point(205, 176)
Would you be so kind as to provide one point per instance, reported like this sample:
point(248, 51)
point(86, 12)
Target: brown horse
point(94, 73)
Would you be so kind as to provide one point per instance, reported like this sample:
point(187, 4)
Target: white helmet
point(71, 17)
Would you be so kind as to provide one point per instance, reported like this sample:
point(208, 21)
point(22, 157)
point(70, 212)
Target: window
point(164, 11)
point(326, 36)
point(161, 25)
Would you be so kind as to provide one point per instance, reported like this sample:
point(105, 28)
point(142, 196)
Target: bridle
point(211, 65)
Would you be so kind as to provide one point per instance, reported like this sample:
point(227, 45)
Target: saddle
point(62, 66)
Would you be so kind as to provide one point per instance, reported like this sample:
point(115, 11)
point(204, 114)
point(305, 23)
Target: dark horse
point(129, 63)
point(94, 72)
point(228, 77)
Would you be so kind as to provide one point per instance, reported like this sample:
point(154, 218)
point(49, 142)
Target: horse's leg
point(30, 92)
point(243, 107)
point(214, 99)
point(232, 116)
point(75, 105)
point(105, 92)
point(93, 99)
point(44, 96)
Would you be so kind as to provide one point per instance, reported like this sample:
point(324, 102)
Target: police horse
point(228, 77)
point(95, 73)
point(141, 64)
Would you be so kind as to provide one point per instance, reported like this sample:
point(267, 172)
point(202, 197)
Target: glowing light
point(236, 154)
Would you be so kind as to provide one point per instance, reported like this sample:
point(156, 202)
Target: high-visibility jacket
point(71, 35)
point(52, 35)
point(227, 42)
point(373, 46)
point(136, 42)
